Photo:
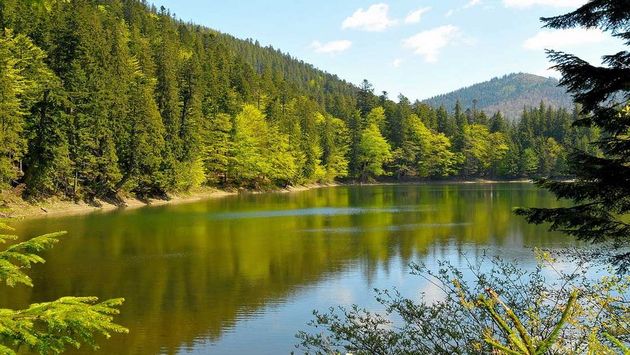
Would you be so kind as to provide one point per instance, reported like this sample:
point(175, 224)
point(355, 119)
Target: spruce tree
point(13, 87)
point(216, 146)
point(601, 189)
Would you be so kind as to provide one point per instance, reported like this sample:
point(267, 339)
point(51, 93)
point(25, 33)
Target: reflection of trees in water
point(188, 275)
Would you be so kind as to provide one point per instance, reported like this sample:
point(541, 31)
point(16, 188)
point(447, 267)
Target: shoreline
point(14, 207)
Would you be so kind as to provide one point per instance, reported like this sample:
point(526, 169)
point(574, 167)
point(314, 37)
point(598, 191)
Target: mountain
point(508, 94)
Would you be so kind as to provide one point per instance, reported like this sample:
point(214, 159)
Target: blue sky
point(416, 47)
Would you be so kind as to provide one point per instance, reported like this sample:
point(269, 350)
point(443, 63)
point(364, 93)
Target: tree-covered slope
point(508, 94)
point(101, 98)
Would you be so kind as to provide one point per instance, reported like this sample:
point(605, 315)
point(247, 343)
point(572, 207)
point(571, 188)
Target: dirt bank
point(13, 206)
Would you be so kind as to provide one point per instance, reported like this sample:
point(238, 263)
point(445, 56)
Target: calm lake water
point(242, 274)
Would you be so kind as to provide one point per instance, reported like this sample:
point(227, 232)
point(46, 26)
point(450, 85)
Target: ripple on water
point(319, 211)
point(390, 228)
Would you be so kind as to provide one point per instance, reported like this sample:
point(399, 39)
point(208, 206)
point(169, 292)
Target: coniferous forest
point(109, 97)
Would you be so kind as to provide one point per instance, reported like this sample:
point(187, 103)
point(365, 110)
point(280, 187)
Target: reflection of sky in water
point(392, 228)
point(356, 284)
point(324, 211)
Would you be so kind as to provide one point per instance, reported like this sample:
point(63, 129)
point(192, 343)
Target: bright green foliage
point(373, 151)
point(529, 162)
point(191, 175)
point(50, 327)
point(441, 161)
point(335, 148)
point(424, 153)
point(283, 169)
point(482, 150)
point(552, 158)
point(13, 86)
point(248, 160)
point(260, 152)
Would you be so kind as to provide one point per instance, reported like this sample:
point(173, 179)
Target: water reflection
point(223, 275)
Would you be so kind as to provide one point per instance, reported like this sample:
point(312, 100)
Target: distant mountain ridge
point(508, 94)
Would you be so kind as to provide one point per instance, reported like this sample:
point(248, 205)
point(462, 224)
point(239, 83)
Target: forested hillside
point(508, 94)
point(114, 96)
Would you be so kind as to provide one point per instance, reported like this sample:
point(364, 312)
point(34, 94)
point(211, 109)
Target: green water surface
point(242, 274)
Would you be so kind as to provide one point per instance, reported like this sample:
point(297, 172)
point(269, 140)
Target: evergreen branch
point(52, 326)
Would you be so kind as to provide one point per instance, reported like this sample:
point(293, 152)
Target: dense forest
point(508, 94)
point(106, 97)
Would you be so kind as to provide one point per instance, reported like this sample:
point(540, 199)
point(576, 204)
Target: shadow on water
point(222, 275)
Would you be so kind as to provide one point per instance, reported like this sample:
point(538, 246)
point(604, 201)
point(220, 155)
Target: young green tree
point(373, 149)
point(601, 189)
point(335, 146)
point(49, 327)
point(283, 169)
point(423, 153)
point(248, 163)
point(482, 150)
point(260, 153)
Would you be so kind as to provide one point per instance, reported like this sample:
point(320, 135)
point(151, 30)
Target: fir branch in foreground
point(50, 327)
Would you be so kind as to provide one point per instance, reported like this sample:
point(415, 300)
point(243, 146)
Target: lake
point(242, 274)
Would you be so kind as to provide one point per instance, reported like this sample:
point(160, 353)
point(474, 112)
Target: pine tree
point(461, 122)
point(601, 189)
point(13, 87)
point(216, 146)
point(145, 147)
point(444, 123)
point(366, 100)
point(498, 123)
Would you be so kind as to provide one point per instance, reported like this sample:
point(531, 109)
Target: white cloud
point(331, 47)
point(416, 16)
point(564, 39)
point(469, 4)
point(472, 3)
point(429, 43)
point(397, 62)
point(374, 19)
point(549, 72)
point(552, 3)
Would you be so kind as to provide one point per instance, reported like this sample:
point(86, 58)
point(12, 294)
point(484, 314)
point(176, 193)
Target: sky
point(419, 48)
